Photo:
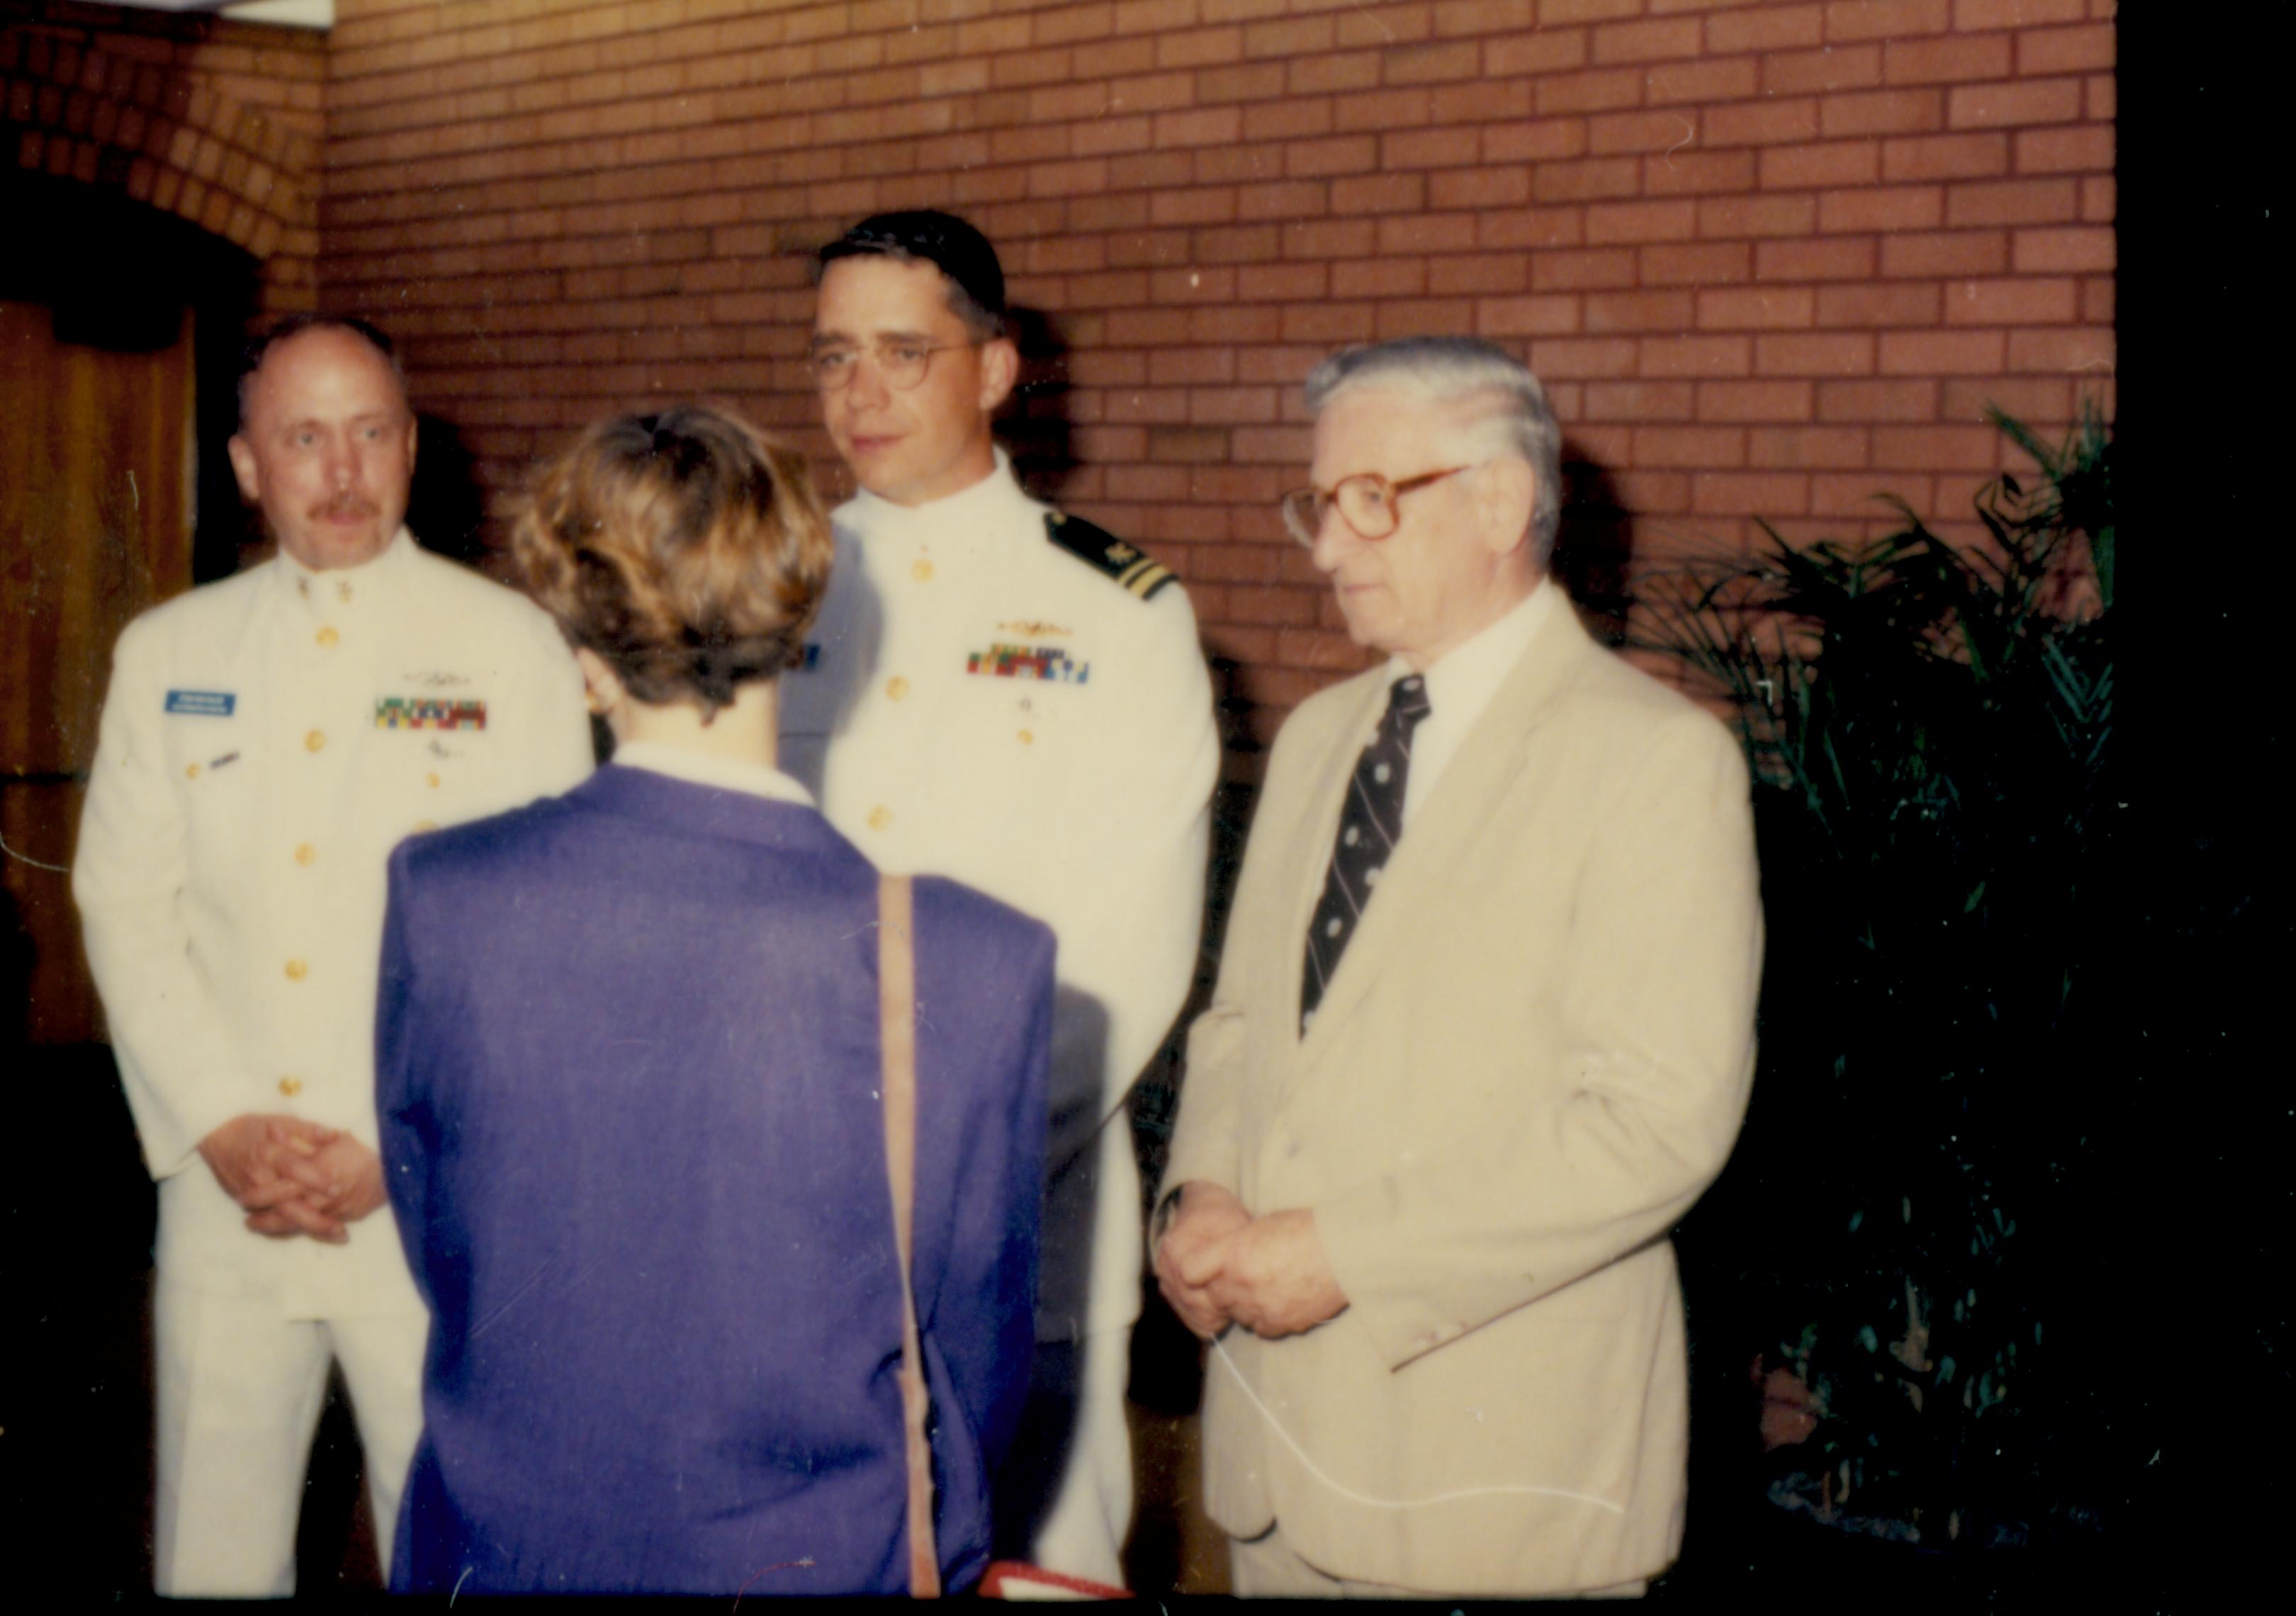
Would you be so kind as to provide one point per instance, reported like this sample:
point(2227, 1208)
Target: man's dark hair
point(976, 281)
point(250, 359)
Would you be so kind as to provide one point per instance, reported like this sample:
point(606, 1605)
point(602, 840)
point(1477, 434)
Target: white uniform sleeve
point(182, 1064)
point(1133, 916)
point(550, 718)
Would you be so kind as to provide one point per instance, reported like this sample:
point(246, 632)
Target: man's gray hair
point(1516, 419)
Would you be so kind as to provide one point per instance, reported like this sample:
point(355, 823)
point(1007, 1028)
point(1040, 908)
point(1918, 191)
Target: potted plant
point(1907, 1234)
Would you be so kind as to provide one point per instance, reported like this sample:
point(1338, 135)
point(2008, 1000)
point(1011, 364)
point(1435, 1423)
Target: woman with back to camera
point(628, 1060)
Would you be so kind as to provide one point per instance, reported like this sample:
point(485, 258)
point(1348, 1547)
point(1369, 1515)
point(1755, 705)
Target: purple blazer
point(628, 1065)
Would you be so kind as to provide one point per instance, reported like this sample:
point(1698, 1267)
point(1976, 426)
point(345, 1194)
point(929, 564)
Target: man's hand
point(294, 1176)
point(1273, 1278)
point(351, 1188)
point(262, 1160)
point(1191, 1252)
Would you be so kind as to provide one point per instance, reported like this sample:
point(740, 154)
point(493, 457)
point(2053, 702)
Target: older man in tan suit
point(1483, 1032)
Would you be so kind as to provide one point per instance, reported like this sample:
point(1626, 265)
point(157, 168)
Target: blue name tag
point(202, 703)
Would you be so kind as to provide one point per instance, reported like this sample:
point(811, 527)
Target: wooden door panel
point(97, 494)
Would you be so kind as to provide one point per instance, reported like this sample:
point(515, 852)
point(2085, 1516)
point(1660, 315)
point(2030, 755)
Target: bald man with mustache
point(265, 740)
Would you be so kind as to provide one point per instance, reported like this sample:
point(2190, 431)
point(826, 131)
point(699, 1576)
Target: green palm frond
point(1932, 728)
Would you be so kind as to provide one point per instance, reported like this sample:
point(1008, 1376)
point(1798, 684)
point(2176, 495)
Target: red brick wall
point(215, 122)
point(1770, 256)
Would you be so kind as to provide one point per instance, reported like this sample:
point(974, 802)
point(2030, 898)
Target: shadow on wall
point(1034, 424)
point(1595, 551)
point(445, 508)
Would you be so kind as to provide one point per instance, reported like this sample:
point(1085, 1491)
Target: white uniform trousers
point(237, 1402)
point(1082, 1528)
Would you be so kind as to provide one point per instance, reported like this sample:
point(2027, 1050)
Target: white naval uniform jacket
point(1032, 718)
point(265, 740)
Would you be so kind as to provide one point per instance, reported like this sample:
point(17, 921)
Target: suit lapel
point(1448, 831)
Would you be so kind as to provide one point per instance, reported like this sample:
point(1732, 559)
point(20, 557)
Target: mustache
point(343, 506)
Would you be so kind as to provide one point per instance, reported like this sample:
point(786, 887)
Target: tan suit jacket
point(1533, 1057)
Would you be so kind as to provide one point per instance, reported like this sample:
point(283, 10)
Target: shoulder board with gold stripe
point(1103, 551)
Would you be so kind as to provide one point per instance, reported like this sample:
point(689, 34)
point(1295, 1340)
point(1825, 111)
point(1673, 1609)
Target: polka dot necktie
point(1370, 825)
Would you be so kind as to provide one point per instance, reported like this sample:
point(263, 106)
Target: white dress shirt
point(1460, 686)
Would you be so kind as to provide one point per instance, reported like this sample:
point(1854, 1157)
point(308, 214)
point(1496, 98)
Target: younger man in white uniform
point(1013, 698)
point(265, 743)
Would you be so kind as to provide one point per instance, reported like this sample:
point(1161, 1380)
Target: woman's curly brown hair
point(687, 549)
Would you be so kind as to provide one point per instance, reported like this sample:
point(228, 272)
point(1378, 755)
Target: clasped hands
point(294, 1176)
point(1219, 1265)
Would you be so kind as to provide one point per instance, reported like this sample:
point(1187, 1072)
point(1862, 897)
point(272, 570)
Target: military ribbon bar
point(1050, 662)
point(429, 713)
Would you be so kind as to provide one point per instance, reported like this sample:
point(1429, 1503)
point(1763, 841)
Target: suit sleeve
point(1208, 1135)
point(983, 1318)
point(1206, 1138)
point(408, 1125)
point(1571, 1170)
point(180, 1060)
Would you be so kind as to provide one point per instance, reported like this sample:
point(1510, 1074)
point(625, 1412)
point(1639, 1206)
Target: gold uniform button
point(290, 1086)
point(879, 817)
point(297, 970)
point(431, 781)
point(305, 852)
point(312, 742)
point(190, 771)
point(897, 687)
point(426, 824)
point(922, 572)
point(327, 636)
point(1028, 737)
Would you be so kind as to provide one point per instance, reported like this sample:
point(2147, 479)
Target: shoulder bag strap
point(896, 992)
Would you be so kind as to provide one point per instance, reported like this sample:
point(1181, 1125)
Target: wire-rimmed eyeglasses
point(1365, 502)
point(902, 364)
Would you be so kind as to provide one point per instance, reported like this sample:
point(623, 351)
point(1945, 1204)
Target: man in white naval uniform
point(265, 742)
point(1015, 699)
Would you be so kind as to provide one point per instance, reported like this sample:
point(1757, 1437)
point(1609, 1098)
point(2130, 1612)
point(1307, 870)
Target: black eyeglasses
point(1365, 502)
point(903, 364)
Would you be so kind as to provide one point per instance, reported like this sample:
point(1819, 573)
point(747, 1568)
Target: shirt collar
point(342, 590)
point(1462, 683)
point(967, 518)
point(707, 768)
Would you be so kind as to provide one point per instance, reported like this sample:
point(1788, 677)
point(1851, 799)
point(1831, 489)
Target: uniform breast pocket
point(211, 763)
point(1025, 704)
point(429, 777)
